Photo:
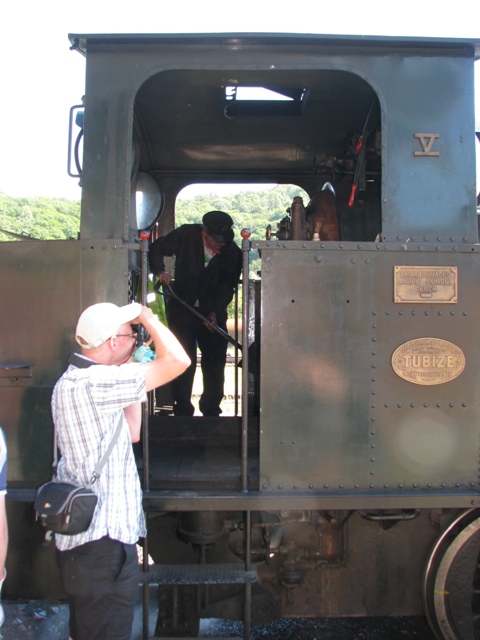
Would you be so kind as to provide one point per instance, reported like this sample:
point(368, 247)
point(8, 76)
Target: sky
point(41, 78)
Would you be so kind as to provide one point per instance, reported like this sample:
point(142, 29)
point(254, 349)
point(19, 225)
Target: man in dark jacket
point(207, 271)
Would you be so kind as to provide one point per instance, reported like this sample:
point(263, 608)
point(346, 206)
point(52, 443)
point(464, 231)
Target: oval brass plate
point(428, 361)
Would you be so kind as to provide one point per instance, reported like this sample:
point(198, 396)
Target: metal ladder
point(205, 574)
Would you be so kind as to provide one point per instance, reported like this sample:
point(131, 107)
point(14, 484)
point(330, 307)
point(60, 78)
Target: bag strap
point(81, 362)
point(103, 460)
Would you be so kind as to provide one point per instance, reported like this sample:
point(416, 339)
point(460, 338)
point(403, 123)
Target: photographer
point(100, 387)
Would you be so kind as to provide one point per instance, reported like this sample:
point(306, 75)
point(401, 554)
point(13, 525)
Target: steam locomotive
point(348, 483)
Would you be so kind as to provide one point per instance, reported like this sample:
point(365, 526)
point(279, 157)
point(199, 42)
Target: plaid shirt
point(87, 404)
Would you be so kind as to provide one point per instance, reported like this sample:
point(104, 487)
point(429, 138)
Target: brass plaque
point(428, 361)
point(426, 284)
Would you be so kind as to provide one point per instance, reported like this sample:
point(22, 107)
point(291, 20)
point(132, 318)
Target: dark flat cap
point(219, 225)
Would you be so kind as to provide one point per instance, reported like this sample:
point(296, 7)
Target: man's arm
point(171, 360)
point(3, 536)
point(133, 414)
point(164, 246)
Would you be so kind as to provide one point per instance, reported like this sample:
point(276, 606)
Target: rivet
point(356, 486)
point(279, 486)
point(373, 432)
point(401, 485)
point(359, 246)
point(439, 405)
point(374, 393)
point(464, 404)
point(374, 313)
point(443, 484)
point(340, 486)
point(374, 366)
point(386, 485)
point(387, 313)
point(412, 404)
point(386, 405)
point(465, 313)
point(399, 405)
point(427, 313)
point(452, 313)
point(439, 313)
point(425, 404)
point(429, 484)
point(372, 446)
point(457, 484)
point(372, 418)
point(372, 486)
point(414, 313)
point(373, 405)
point(400, 313)
point(372, 472)
point(293, 441)
point(310, 486)
point(264, 486)
point(451, 405)
point(295, 486)
point(415, 485)
point(372, 459)
point(374, 339)
point(374, 353)
point(374, 326)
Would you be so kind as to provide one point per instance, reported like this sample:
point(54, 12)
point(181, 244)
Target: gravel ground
point(38, 620)
point(34, 620)
point(328, 629)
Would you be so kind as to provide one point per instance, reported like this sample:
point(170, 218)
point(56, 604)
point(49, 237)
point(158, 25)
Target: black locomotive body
point(349, 485)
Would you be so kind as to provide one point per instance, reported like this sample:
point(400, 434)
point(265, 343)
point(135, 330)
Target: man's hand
point(171, 358)
point(212, 320)
point(164, 278)
point(145, 314)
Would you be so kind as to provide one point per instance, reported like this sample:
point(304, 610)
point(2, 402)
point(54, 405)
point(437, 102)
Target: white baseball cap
point(101, 321)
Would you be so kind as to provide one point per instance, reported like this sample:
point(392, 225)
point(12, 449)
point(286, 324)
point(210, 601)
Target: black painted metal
point(199, 574)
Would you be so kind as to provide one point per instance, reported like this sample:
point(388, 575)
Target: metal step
point(231, 573)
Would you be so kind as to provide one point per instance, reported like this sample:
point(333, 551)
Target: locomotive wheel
point(451, 586)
